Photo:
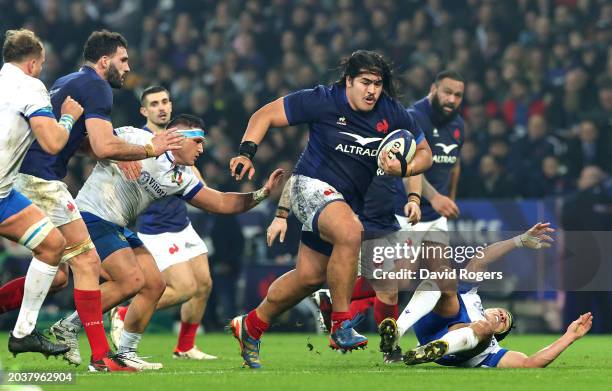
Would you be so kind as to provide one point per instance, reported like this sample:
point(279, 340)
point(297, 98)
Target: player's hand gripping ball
point(398, 144)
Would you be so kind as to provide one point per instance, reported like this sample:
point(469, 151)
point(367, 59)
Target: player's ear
point(349, 81)
point(433, 88)
point(143, 111)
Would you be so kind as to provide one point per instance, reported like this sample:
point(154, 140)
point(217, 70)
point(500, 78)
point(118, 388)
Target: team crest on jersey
point(382, 126)
point(435, 133)
point(341, 121)
point(177, 176)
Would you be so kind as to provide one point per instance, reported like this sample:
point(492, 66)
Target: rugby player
point(109, 202)
point(347, 122)
point(106, 66)
point(437, 115)
point(180, 253)
point(25, 114)
point(459, 332)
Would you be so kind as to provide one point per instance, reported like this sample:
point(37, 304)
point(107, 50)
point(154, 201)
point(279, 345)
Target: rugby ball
point(397, 144)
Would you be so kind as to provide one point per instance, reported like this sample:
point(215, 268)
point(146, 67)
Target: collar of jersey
point(87, 68)
point(12, 69)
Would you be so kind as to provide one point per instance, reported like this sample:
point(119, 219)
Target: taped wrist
point(66, 121)
point(282, 212)
point(248, 149)
point(260, 195)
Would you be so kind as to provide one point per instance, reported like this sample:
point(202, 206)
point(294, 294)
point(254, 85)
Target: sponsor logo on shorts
point(190, 245)
point(173, 249)
point(70, 206)
point(329, 192)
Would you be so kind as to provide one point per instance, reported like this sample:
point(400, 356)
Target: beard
point(114, 78)
point(438, 109)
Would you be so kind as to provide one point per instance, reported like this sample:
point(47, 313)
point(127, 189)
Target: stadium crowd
point(538, 103)
point(538, 100)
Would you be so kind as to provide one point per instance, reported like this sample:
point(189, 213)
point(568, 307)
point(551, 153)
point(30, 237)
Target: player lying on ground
point(347, 122)
point(181, 255)
point(109, 203)
point(459, 332)
point(26, 116)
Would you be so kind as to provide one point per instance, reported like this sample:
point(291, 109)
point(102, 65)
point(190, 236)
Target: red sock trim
point(121, 311)
point(89, 307)
point(255, 327)
point(337, 318)
point(186, 338)
point(11, 295)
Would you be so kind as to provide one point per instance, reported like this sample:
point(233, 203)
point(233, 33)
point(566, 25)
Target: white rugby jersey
point(108, 195)
point(475, 311)
point(21, 98)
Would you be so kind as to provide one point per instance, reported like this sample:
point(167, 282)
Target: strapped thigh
point(36, 233)
point(77, 249)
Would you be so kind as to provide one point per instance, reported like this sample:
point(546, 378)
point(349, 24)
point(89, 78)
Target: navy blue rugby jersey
point(378, 208)
point(96, 97)
point(342, 146)
point(445, 141)
point(166, 215)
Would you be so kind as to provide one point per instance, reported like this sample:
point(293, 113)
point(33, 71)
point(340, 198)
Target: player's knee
point(188, 288)
point(134, 284)
point(87, 262)
point(204, 286)
point(156, 285)
point(51, 249)
point(351, 236)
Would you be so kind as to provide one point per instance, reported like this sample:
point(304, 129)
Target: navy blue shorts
point(314, 241)
point(109, 237)
point(12, 204)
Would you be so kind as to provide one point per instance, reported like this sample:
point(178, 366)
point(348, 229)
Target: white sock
point(74, 320)
point(422, 302)
point(460, 340)
point(37, 283)
point(128, 341)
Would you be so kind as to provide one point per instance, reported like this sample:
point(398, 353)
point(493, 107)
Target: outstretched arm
point(544, 357)
point(215, 201)
point(535, 238)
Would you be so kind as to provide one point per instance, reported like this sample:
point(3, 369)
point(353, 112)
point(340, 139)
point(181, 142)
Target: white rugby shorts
point(52, 197)
point(308, 198)
point(170, 248)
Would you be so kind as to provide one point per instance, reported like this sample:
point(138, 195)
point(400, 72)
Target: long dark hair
point(362, 61)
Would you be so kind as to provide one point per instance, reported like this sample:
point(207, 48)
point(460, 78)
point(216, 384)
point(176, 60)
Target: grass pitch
point(290, 365)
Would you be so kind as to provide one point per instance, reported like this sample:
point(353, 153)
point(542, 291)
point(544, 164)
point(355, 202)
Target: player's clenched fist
point(241, 165)
point(72, 108)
